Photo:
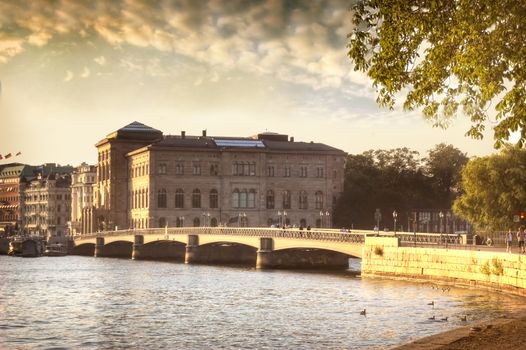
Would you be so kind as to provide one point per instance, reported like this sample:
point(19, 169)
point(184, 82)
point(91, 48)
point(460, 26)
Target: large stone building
point(13, 178)
point(145, 179)
point(47, 205)
point(82, 181)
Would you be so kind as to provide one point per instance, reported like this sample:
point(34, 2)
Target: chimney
point(204, 133)
point(292, 139)
point(183, 134)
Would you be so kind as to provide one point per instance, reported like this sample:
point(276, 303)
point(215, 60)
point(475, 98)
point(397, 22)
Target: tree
point(444, 165)
point(493, 189)
point(447, 54)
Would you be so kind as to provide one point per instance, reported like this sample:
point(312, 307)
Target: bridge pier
point(99, 247)
point(192, 250)
point(264, 259)
point(138, 247)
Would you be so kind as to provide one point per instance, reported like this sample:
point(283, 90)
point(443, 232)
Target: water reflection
point(79, 302)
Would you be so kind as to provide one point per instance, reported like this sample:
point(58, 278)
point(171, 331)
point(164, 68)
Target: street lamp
point(241, 218)
point(441, 215)
point(395, 215)
point(279, 220)
point(448, 216)
point(328, 219)
point(377, 217)
point(321, 219)
point(285, 218)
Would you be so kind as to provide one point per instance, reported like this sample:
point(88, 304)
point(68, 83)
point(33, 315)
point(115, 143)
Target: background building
point(13, 178)
point(147, 180)
point(48, 205)
point(83, 179)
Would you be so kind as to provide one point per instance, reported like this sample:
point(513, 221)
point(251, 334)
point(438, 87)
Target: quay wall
point(505, 272)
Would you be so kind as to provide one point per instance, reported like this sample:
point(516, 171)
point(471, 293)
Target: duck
point(363, 312)
point(463, 318)
point(432, 303)
point(432, 318)
point(444, 319)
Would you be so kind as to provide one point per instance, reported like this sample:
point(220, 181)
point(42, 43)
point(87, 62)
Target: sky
point(73, 71)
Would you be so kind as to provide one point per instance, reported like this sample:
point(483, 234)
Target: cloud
point(295, 42)
point(101, 60)
point(85, 73)
point(69, 76)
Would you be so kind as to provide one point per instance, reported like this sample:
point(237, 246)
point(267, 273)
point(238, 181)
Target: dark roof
point(299, 146)
point(186, 142)
point(17, 170)
point(134, 131)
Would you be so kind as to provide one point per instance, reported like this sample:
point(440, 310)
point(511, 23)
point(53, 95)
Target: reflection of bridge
point(262, 247)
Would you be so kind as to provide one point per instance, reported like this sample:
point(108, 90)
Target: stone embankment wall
point(506, 272)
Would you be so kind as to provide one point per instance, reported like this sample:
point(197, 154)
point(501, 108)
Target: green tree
point(493, 189)
point(447, 54)
point(444, 165)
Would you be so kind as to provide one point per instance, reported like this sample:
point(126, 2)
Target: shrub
point(378, 250)
point(497, 268)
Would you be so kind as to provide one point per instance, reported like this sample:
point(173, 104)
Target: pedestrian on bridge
point(520, 238)
point(509, 240)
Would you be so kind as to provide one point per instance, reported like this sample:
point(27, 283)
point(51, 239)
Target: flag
point(7, 156)
point(19, 153)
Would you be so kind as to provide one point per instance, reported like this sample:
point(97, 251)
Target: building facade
point(47, 207)
point(149, 180)
point(13, 179)
point(83, 179)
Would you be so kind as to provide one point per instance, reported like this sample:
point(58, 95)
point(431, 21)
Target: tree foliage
point(494, 189)
point(397, 179)
point(447, 54)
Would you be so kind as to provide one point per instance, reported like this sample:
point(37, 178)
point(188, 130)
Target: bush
point(378, 250)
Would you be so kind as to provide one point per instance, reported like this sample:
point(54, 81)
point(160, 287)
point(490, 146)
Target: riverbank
point(506, 332)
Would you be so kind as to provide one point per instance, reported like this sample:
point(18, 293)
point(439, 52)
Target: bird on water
point(363, 312)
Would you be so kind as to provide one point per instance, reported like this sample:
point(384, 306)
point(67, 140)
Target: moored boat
point(55, 250)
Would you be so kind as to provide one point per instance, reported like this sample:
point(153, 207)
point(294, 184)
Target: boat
point(55, 250)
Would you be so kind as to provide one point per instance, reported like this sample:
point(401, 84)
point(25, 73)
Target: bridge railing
point(351, 236)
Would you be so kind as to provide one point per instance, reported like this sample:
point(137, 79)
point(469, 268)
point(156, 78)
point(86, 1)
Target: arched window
point(286, 199)
point(213, 222)
point(197, 223)
point(319, 199)
point(196, 199)
point(243, 199)
point(270, 199)
point(303, 200)
point(161, 198)
point(303, 223)
point(179, 198)
point(214, 198)
point(162, 222)
point(235, 198)
point(251, 200)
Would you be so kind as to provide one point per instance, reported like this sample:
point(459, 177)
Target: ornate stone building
point(12, 182)
point(82, 181)
point(148, 180)
point(47, 207)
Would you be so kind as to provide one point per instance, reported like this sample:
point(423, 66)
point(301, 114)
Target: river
point(102, 303)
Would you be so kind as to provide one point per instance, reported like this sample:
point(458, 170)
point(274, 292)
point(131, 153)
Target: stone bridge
point(260, 247)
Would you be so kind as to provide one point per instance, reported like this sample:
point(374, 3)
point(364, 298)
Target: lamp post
point(448, 216)
point(284, 218)
point(242, 216)
point(279, 220)
point(441, 215)
point(395, 215)
point(377, 217)
point(327, 214)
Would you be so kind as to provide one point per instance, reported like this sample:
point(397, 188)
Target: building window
point(244, 169)
point(320, 172)
point(270, 199)
point(319, 200)
point(179, 198)
point(196, 169)
point(235, 198)
point(213, 222)
point(251, 200)
point(179, 169)
point(162, 222)
point(197, 223)
point(161, 168)
point(286, 172)
point(303, 171)
point(196, 198)
point(179, 221)
point(270, 171)
point(214, 169)
point(286, 199)
point(303, 200)
point(161, 198)
point(242, 199)
point(214, 198)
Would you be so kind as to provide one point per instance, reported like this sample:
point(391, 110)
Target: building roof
point(134, 131)
point(16, 170)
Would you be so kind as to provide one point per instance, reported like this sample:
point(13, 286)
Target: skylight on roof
point(240, 143)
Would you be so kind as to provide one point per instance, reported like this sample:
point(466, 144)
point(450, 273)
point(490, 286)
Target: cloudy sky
point(73, 71)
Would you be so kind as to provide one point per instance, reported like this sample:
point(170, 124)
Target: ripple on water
point(78, 302)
